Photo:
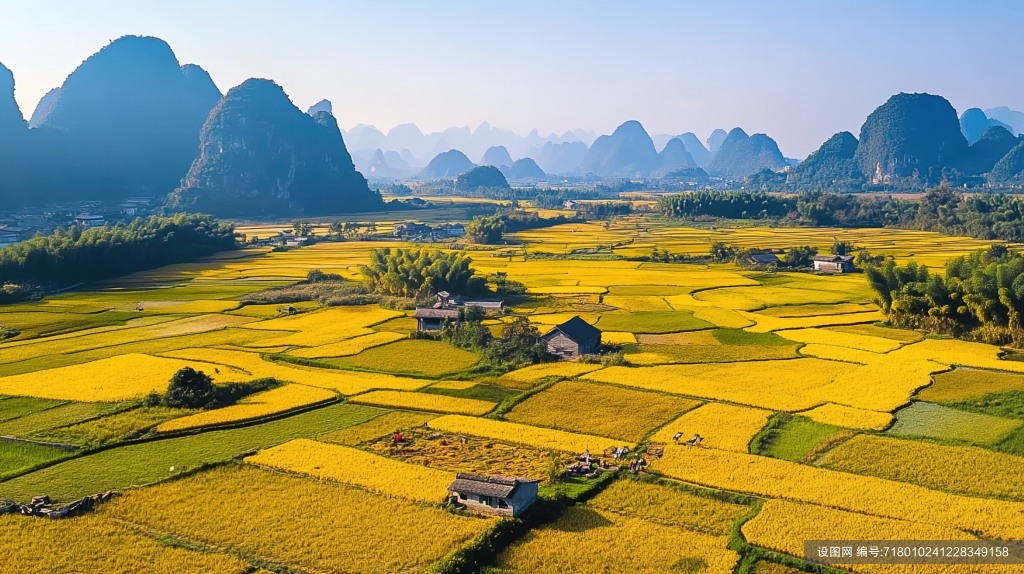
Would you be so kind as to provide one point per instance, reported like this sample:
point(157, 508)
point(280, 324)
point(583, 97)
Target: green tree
point(842, 248)
point(486, 229)
point(420, 273)
point(520, 344)
point(800, 256)
point(190, 389)
point(302, 227)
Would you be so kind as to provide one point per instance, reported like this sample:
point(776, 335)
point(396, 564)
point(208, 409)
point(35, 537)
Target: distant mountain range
point(911, 141)
point(133, 121)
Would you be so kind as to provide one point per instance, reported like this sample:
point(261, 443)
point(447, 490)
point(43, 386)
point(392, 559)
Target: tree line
point(981, 296)
point(75, 255)
point(983, 216)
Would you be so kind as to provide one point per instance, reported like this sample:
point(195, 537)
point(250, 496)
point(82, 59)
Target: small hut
point(494, 495)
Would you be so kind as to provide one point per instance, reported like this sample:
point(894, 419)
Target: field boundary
point(59, 445)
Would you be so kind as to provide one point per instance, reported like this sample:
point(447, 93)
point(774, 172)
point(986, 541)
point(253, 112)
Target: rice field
point(358, 468)
point(548, 439)
point(936, 421)
point(721, 426)
point(259, 405)
point(957, 469)
point(253, 512)
point(96, 543)
point(424, 402)
point(603, 410)
point(778, 372)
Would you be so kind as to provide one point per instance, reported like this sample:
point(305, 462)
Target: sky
point(797, 70)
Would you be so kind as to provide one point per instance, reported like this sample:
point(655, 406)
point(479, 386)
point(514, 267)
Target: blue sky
point(798, 71)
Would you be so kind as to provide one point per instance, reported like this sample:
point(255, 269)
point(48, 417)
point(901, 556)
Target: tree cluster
point(981, 295)
point(74, 255)
point(420, 273)
point(519, 345)
point(192, 389)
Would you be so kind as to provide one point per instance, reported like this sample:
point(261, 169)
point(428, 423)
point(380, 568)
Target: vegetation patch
point(669, 505)
point(14, 407)
point(792, 437)
point(145, 463)
point(97, 543)
point(341, 527)
point(358, 468)
point(652, 322)
point(963, 384)
point(63, 415)
point(541, 438)
point(386, 425)
point(111, 428)
point(18, 457)
point(936, 421)
point(602, 410)
point(720, 425)
point(959, 469)
point(479, 391)
point(412, 356)
point(282, 399)
point(425, 402)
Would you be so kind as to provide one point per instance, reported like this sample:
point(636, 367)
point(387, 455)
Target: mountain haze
point(741, 155)
point(627, 152)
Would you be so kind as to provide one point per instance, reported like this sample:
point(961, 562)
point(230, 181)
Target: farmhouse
point(573, 338)
point(834, 263)
point(764, 259)
point(433, 319)
point(495, 495)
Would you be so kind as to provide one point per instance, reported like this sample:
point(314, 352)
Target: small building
point(573, 338)
point(129, 208)
point(764, 259)
point(433, 319)
point(411, 229)
point(86, 220)
point(834, 263)
point(495, 495)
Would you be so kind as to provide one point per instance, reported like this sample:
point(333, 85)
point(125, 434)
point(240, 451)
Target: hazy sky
point(798, 71)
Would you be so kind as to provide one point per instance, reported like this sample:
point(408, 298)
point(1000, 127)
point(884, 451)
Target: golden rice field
point(669, 505)
point(602, 410)
point(958, 469)
point(515, 433)
point(274, 401)
point(783, 526)
point(296, 522)
point(722, 426)
point(98, 543)
point(714, 350)
point(863, 494)
point(424, 401)
point(357, 468)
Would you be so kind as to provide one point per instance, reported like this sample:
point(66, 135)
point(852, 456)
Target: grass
point(936, 421)
point(64, 415)
point(16, 458)
point(478, 391)
point(962, 384)
point(411, 357)
point(652, 322)
point(385, 425)
point(739, 337)
point(791, 438)
point(669, 505)
point(602, 410)
point(140, 464)
point(44, 324)
point(14, 407)
point(111, 428)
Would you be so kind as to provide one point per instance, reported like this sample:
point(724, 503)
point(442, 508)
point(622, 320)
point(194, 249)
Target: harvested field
point(541, 438)
point(424, 401)
point(385, 425)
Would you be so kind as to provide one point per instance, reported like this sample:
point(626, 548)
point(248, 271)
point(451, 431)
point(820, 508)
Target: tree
point(486, 229)
point(420, 273)
point(190, 389)
point(302, 227)
point(520, 344)
point(800, 256)
point(842, 248)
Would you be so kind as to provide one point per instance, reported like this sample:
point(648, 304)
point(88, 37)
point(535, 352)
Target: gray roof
point(834, 258)
point(764, 258)
point(576, 329)
point(436, 314)
point(484, 304)
point(486, 486)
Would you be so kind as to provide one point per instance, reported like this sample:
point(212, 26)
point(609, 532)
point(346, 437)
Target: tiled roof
point(577, 329)
point(485, 486)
